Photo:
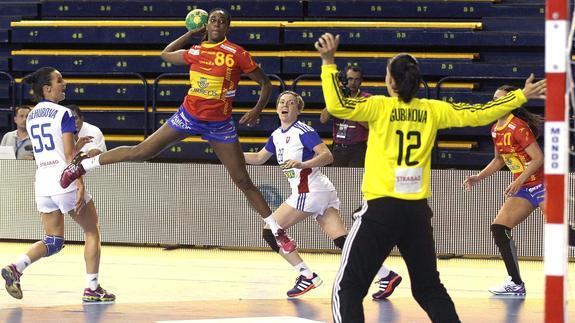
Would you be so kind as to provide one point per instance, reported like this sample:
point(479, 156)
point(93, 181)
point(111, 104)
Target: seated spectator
point(19, 138)
point(84, 129)
point(349, 137)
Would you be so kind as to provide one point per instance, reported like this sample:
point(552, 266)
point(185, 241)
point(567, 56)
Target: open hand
point(327, 45)
point(535, 90)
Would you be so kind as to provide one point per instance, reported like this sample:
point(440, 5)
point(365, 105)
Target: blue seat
point(132, 32)
point(111, 61)
point(421, 9)
point(460, 158)
point(126, 120)
point(169, 9)
point(111, 90)
point(522, 24)
point(4, 36)
point(247, 92)
point(26, 9)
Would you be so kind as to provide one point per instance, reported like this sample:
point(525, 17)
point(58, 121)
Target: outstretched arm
point(258, 158)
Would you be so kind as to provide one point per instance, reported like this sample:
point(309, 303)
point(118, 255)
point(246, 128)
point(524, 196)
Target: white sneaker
point(508, 287)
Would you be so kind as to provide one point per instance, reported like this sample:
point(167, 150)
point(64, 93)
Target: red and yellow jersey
point(510, 140)
point(215, 71)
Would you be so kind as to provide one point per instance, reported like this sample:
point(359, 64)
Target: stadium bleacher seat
point(96, 44)
point(169, 9)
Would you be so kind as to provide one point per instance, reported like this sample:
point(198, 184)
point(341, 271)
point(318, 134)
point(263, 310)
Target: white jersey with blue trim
point(297, 143)
point(45, 125)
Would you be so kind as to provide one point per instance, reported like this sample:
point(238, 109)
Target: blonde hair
point(299, 99)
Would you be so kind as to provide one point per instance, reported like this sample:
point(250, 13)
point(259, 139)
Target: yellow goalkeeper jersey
point(402, 135)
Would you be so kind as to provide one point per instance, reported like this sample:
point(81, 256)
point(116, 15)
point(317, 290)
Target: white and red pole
point(557, 56)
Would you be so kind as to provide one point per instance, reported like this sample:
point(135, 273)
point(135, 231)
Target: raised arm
point(173, 53)
point(464, 114)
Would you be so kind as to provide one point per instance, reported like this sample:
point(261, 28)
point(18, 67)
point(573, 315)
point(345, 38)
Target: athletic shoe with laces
point(304, 285)
point(508, 287)
point(73, 171)
point(12, 277)
point(285, 242)
point(387, 285)
point(98, 295)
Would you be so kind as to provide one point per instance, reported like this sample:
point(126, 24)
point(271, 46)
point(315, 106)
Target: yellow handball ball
point(196, 18)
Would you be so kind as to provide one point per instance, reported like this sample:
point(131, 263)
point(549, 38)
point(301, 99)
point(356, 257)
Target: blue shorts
point(534, 194)
point(222, 131)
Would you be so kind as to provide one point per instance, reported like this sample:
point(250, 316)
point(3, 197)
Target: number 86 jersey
point(45, 125)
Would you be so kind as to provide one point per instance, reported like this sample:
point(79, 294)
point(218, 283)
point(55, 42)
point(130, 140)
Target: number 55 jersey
point(45, 125)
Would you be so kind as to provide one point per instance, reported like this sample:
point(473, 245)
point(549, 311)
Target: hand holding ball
point(196, 19)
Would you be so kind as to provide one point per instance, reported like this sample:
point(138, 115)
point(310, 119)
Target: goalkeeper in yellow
point(396, 183)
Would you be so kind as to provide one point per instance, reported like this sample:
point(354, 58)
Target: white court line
point(276, 319)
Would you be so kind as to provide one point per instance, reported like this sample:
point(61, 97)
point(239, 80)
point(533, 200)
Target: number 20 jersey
point(45, 125)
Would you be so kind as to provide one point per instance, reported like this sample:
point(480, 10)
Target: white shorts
point(314, 202)
point(64, 202)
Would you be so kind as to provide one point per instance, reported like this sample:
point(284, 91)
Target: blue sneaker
point(304, 285)
point(387, 285)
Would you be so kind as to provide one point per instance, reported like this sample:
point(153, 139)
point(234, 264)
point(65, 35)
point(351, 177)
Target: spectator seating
point(109, 53)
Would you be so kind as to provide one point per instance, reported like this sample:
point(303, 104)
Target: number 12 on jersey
point(413, 140)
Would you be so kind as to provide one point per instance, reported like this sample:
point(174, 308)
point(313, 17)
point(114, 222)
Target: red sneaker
point(98, 295)
point(284, 241)
point(73, 171)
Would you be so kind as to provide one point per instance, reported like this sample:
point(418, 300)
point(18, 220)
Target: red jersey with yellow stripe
point(510, 140)
point(215, 71)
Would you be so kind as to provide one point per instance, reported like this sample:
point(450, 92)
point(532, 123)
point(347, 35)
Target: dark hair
point(354, 68)
point(38, 79)
point(534, 121)
point(75, 109)
point(20, 107)
point(226, 14)
point(404, 70)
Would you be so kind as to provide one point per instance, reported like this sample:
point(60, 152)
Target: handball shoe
point(304, 285)
point(12, 278)
point(508, 287)
point(284, 241)
point(98, 295)
point(387, 285)
point(73, 171)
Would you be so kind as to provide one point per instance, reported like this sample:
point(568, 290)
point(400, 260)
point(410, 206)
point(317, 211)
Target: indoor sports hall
point(181, 243)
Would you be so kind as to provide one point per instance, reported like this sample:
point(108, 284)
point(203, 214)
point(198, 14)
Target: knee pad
point(53, 244)
point(501, 234)
point(339, 242)
point(270, 239)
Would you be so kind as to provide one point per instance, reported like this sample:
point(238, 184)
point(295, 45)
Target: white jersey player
point(300, 152)
point(51, 128)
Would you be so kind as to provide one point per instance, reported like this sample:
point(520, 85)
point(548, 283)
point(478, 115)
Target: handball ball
point(196, 18)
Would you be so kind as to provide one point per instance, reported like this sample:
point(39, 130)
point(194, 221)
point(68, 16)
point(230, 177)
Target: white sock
point(92, 281)
point(383, 272)
point(271, 221)
point(91, 163)
point(304, 270)
point(22, 262)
